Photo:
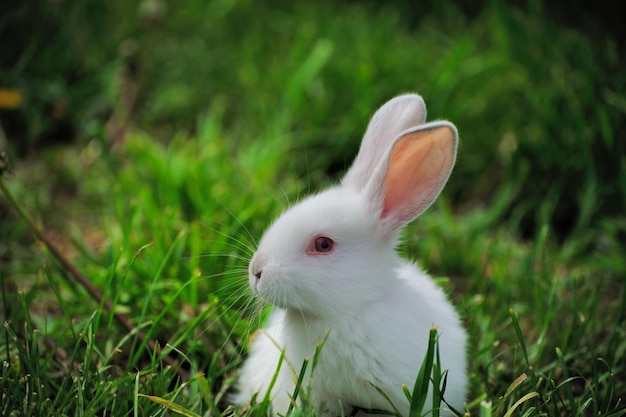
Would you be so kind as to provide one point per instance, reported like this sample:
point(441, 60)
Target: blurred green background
point(536, 90)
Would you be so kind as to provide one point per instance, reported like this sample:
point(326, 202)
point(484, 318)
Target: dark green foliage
point(539, 105)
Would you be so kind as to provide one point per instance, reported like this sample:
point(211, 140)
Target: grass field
point(216, 130)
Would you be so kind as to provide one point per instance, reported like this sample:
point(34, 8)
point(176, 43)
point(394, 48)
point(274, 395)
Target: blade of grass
point(436, 395)
point(514, 385)
point(520, 336)
point(386, 397)
point(170, 405)
point(136, 397)
point(266, 403)
point(583, 407)
point(486, 409)
point(565, 370)
point(205, 391)
point(420, 389)
point(519, 402)
point(298, 388)
point(318, 350)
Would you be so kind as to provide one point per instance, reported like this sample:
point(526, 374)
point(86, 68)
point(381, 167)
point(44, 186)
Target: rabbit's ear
point(394, 117)
point(413, 173)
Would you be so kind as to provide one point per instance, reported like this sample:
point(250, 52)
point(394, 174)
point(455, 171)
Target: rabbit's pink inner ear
point(419, 166)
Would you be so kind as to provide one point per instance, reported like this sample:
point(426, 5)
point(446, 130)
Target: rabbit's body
point(351, 357)
point(329, 265)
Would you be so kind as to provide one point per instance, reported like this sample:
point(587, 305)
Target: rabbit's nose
point(256, 271)
point(256, 267)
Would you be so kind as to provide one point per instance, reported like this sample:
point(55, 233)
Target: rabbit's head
point(335, 251)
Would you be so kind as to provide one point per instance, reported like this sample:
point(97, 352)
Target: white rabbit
point(329, 266)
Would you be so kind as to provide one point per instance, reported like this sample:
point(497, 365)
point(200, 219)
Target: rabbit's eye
point(321, 245)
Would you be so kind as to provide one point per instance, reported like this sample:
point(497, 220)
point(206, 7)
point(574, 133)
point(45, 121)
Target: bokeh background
point(536, 88)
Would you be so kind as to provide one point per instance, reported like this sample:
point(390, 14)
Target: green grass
point(164, 223)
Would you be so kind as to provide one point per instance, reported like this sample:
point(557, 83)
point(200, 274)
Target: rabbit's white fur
point(376, 308)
